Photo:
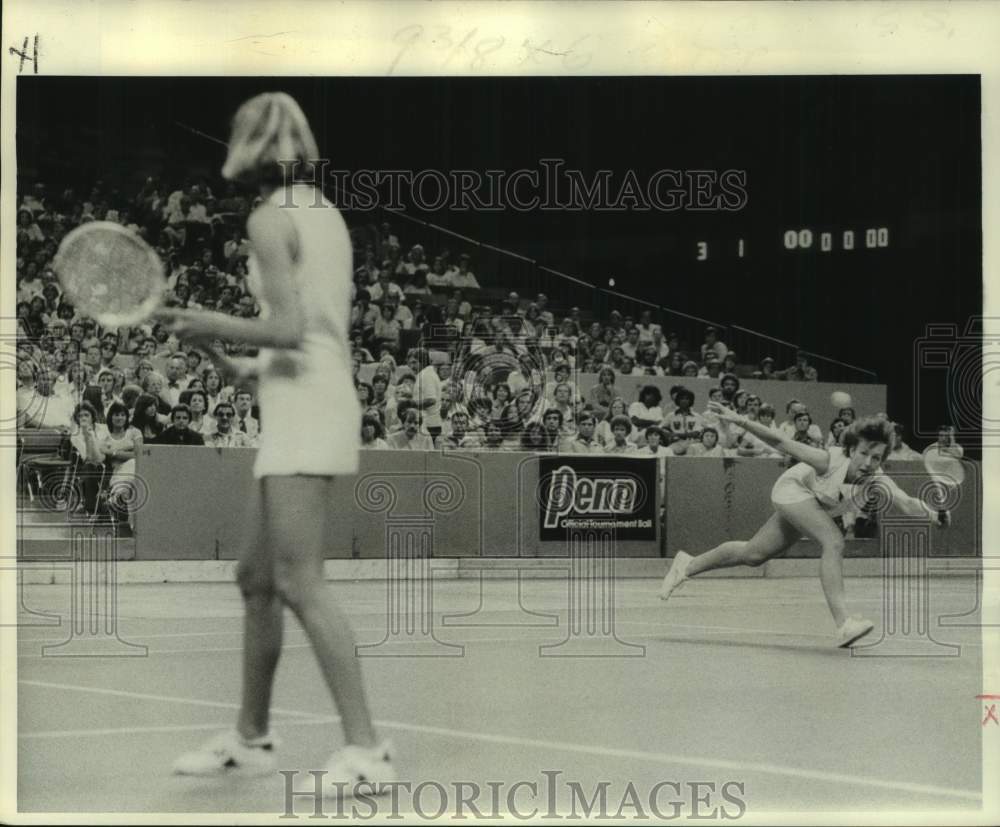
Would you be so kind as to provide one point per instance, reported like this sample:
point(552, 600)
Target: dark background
point(827, 153)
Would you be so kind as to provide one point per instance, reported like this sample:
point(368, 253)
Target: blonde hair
point(268, 130)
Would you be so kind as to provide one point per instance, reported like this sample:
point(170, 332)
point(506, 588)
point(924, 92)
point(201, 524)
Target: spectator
point(900, 450)
point(765, 370)
point(427, 392)
point(848, 415)
point(620, 427)
point(804, 430)
point(37, 404)
point(409, 437)
point(542, 303)
point(729, 363)
point(690, 369)
point(147, 419)
point(750, 445)
point(223, 435)
point(385, 289)
point(647, 411)
point(654, 443)
point(460, 437)
point(494, 437)
point(403, 392)
point(793, 409)
point(177, 368)
point(646, 329)
point(603, 432)
point(708, 446)
point(801, 371)
point(178, 433)
point(563, 403)
point(533, 438)
point(245, 421)
point(215, 391)
point(683, 421)
point(552, 425)
point(463, 277)
point(837, 428)
point(364, 314)
point(106, 382)
point(367, 272)
point(120, 446)
point(730, 386)
point(373, 434)
point(85, 441)
point(438, 275)
point(416, 285)
point(712, 343)
point(647, 365)
point(601, 395)
point(528, 377)
point(197, 401)
point(527, 409)
point(584, 441)
point(946, 446)
point(387, 330)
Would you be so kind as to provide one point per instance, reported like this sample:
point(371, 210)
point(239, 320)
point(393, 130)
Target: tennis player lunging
point(301, 273)
point(806, 498)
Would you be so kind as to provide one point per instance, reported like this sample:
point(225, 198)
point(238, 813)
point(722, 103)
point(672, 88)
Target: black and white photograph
point(494, 412)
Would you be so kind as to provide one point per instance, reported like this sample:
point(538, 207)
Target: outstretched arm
point(910, 506)
point(818, 458)
point(274, 242)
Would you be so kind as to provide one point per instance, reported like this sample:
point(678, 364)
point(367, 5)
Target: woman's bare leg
point(772, 538)
point(296, 509)
point(263, 623)
point(810, 519)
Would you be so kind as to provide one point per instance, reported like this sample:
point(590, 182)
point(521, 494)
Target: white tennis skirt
point(310, 424)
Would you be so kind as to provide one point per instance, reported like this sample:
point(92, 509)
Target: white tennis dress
point(310, 414)
point(801, 483)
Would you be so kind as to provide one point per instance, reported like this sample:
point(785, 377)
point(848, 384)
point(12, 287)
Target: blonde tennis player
point(806, 498)
point(301, 274)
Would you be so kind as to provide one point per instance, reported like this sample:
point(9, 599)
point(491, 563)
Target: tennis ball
point(840, 399)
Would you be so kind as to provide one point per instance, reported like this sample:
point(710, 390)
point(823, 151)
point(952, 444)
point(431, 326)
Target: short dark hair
point(179, 408)
point(870, 429)
point(117, 408)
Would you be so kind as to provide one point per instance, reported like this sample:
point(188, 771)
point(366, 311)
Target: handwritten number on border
point(25, 56)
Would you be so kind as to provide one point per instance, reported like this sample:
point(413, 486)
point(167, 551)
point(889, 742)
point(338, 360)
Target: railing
point(495, 267)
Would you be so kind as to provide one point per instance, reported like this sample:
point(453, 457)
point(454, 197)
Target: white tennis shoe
point(853, 630)
point(229, 753)
point(676, 575)
point(359, 769)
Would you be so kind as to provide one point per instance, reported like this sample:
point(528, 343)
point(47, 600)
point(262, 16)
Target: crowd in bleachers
point(422, 329)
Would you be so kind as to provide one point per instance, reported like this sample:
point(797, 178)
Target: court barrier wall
point(202, 501)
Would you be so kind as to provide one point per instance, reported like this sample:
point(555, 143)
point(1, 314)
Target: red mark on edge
point(991, 709)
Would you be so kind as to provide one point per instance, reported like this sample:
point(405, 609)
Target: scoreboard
point(794, 240)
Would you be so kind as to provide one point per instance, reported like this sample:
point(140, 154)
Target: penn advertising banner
point(593, 493)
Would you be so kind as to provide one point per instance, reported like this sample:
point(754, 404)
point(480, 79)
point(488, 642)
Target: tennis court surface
point(733, 680)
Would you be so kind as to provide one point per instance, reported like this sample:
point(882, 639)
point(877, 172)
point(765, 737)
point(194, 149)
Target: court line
point(717, 631)
point(143, 696)
point(563, 746)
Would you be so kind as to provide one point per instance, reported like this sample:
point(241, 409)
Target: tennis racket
point(110, 274)
point(947, 473)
